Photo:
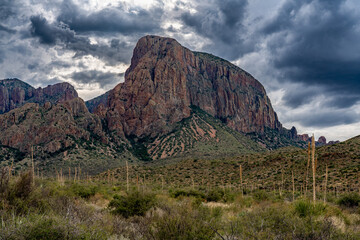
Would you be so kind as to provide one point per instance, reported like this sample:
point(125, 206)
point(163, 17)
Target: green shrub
point(303, 208)
point(214, 195)
point(279, 222)
point(23, 186)
point(33, 227)
point(260, 195)
point(182, 222)
point(188, 193)
point(349, 200)
point(46, 229)
point(306, 208)
point(135, 203)
point(84, 191)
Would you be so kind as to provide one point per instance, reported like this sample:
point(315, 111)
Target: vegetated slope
point(200, 135)
point(63, 134)
point(262, 170)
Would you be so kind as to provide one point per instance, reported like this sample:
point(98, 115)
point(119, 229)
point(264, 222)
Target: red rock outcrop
point(322, 140)
point(165, 79)
point(15, 93)
point(304, 137)
point(52, 126)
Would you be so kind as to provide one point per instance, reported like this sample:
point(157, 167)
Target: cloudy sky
point(305, 52)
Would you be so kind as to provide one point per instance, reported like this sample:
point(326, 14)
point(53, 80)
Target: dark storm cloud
point(74, 26)
point(222, 23)
point(295, 98)
point(298, 95)
point(341, 101)
point(59, 34)
point(51, 34)
point(317, 43)
point(94, 76)
point(114, 19)
point(48, 68)
point(327, 118)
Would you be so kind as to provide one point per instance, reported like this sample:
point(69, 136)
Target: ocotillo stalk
point(326, 179)
point(75, 176)
point(313, 166)
point(307, 170)
point(241, 181)
point(79, 174)
point(127, 176)
point(293, 184)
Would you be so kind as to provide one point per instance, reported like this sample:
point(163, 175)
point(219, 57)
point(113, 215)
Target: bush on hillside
point(84, 191)
point(349, 200)
point(134, 203)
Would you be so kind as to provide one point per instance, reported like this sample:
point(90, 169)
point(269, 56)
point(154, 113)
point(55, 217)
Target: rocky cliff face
point(165, 79)
point(51, 127)
point(94, 103)
point(15, 93)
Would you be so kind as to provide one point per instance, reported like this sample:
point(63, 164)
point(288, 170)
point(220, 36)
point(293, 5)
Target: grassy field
point(269, 198)
point(109, 209)
point(269, 170)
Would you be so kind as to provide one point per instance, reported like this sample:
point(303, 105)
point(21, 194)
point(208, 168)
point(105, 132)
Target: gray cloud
point(317, 43)
point(6, 29)
point(222, 23)
point(59, 34)
point(114, 19)
point(7, 9)
point(295, 98)
point(327, 118)
point(94, 76)
point(51, 34)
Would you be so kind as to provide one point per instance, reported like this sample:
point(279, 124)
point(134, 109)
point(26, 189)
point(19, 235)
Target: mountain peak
point(165, 79)
point(15, 93)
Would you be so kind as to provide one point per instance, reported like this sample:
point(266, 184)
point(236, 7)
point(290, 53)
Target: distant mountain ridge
point(15, 93)
point(92, 104)
point(174, 104)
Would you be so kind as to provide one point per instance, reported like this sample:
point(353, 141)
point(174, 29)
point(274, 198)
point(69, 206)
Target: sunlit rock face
point(165, 79)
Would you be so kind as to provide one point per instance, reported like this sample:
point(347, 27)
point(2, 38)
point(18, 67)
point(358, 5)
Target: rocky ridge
point(50, 127)
point(15, 93)
point(165, 79)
